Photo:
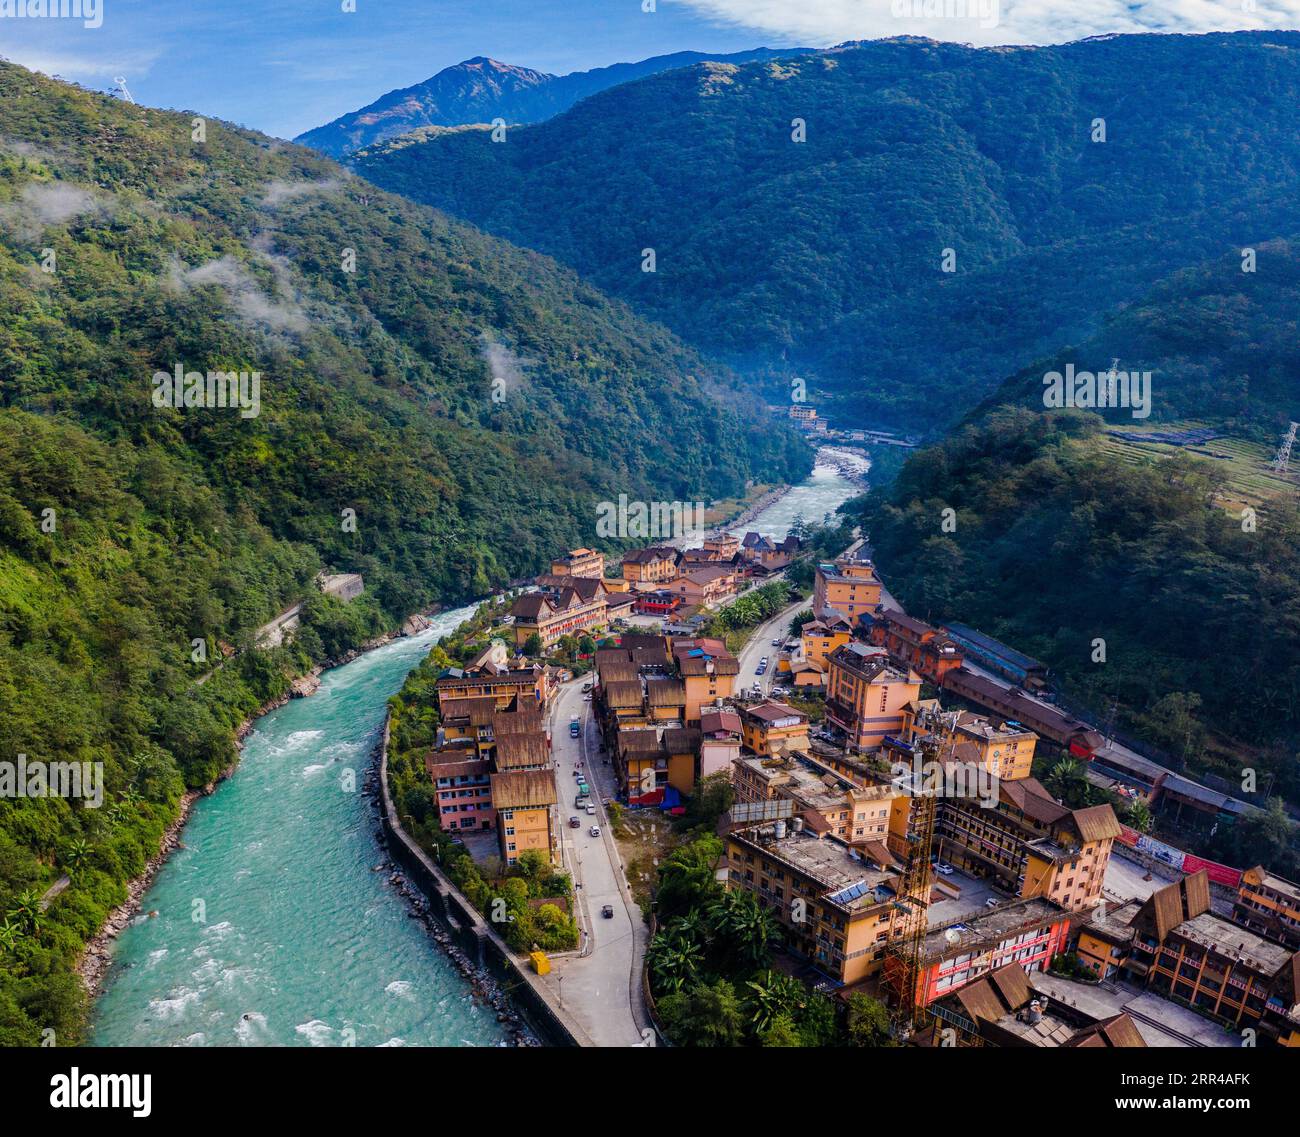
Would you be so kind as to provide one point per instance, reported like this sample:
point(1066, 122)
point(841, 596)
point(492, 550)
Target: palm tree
point(1067, 780)
point(749, 926)
point(10, 934)
point(27, 911)
point(773, 995)
point(74, 856)
point(674, 962)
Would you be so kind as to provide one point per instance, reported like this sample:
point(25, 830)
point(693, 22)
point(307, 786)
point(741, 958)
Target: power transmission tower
point(1283, 460)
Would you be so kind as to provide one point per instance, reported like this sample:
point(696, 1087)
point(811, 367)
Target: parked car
point(574, 823)
point(776, 643)
point(607, 910)
point(591, 808)
point(574, 730)
point(586, 687)
point(586, 698)
point(943, 869)
point(594, 830)
point(992, 902)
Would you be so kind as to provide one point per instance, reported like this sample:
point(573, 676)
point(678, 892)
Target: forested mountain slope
point(1065, 180)
point(134, 241)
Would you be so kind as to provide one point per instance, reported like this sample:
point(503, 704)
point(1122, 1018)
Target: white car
point(944, 870)
point(594, 830)
point(591, 809)
point(992, 902)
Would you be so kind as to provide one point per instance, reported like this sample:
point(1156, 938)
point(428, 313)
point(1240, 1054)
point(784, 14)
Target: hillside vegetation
point(133, 241)
point(912, 148)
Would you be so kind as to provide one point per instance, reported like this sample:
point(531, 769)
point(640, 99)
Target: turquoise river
point(272, 925)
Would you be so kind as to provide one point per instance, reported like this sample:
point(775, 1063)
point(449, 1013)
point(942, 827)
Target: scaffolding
point(902, 970)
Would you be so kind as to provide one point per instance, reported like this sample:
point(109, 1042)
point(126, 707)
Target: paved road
point(760, 644)
point(601, 987)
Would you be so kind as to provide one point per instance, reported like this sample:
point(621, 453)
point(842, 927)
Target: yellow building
point(837, 905)
point(653, 565)
point(708, 671)
point(829, 802)
point(1006, 750)
point(818, 638)
point(868, 698)
point(523, 800)
point(771, 729)
point(580, 562)
point(564, 612)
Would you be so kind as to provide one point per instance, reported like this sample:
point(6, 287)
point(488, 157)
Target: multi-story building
point(1006, 750)
point(839, 908)
point(868, 698)
point(771, 729)
point(1104, 939)
point(829, 802)
point(520, 686)
point(926, 650)
point(1270, 905)
point(708, 670)
point(653, 565)
point(1181, 948)
point(847, 586)
point(818, 638)
point(1016, 835)
point(553, 614)
point(462, 788)
point(724, 544)
point(705, 587)
point(580, 562)
point(1002, 1009)
point(720, 735)
point(1026, 932)
point(523, 800)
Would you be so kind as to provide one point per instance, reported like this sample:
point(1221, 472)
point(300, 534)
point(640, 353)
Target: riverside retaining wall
point(472, 933)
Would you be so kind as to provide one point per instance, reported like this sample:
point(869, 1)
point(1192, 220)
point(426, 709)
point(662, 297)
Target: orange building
point(926, 650)
point(562, 612)
point(705, 587)
point(847, 586)
point(708, 670)
point(654, 565)
point(1269, 905)
point(818, 638)
point(868, 698)
point(771, 729)
point(1006, 750)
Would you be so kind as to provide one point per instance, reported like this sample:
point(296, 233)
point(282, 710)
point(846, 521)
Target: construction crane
point(902, 970)
point(1282, 462)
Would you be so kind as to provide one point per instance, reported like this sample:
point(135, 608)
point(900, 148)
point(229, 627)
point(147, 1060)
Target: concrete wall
point(472, 933)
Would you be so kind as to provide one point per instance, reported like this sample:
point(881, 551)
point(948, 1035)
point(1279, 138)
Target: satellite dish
point(952, 936)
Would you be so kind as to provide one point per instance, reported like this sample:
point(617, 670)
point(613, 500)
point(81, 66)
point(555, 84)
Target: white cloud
point(984, 22)
point(243, 293)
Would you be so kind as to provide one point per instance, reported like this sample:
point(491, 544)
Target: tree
point(1067, 780)
point(744, 927)
point(705, 1016)
point(533, 646)
point(772, 995)
point(866, 1021)
point(781, 1032)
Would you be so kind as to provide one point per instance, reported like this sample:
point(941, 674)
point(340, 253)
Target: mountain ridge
point(481, 89)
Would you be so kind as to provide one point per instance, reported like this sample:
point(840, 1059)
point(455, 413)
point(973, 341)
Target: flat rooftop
point(850, 882)
point(1232, 940)
point(989, 927)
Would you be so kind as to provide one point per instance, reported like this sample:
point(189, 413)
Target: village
point(883, 806)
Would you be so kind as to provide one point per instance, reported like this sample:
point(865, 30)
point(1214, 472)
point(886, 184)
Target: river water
point(272, 926)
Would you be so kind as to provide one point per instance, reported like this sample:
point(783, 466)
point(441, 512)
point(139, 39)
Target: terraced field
point(1244, 464)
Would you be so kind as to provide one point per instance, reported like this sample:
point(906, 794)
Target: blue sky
point(284, 66)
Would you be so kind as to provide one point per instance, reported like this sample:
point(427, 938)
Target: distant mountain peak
point(481, 89)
